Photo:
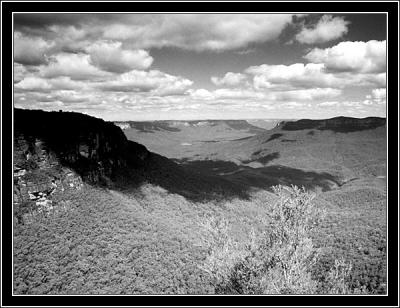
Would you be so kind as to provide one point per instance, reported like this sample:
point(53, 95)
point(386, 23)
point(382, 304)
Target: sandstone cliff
point(57, 151)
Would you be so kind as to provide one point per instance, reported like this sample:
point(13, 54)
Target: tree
point(279, 259)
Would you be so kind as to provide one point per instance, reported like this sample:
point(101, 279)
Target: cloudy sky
point(201, 66)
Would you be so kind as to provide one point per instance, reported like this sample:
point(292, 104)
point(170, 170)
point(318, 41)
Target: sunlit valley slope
point(327, 155)
point(177, 139)
point(104, 210)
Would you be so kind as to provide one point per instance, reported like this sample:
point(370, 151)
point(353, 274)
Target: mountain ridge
point(338, 124)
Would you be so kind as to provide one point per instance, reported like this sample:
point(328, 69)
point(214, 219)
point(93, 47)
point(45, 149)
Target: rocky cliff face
point(338, 124)
point(123, 125)
point(57, 151)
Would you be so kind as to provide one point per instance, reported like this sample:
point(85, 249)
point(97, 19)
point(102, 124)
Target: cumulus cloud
point(33, 84)
point(230, 79)
point(202, 94)
point(351, 103)
point(365, 57)
point(75, 66)
point(20, 72)
point(237, 94)
point(339, 104)
point(327, 29)
point(61, 83)
point(271, 96)
point(199, 31)
point(292, 105)
point(153, 81)
point(293, 76)
point(328, 104)
point(72, 97)
point(306, 94)
point(360, 105)
point(377, 96)
point(230, 94)
point(379, 93)
point(30, 50)
point(110, 56)
point(368, 80)
point(40, 84)
point(310, 75)
point(66, 83)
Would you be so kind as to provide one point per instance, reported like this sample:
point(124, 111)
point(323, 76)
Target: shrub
point(224, 252)
point(278, 260)
point(338, 280)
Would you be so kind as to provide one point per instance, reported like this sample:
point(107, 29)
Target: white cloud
point(379, 93)
point(310, 75)
point(30, 50)
point(339, 104)
point(154, 81)
point(110, 56)
point(37, 83)
point(201, 94)
point(72, 97)
point(230, 79)
point(364, 57)
point(351, 104)
point(367, 103)
point(75, 66)
point(327, 29)
point(292, 77)
point(377, 96)
point(214, 32)
point(328, 104)
point(33, 84)
point(225, 94)
point(199, 32)
point(255, 98)
point(68, 33)
point(65, 83)
point(20, 72)
point(237, 94)
point(306, 94)
point(292, 105)
point(370, 80)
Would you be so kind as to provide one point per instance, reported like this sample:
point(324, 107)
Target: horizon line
point(204, 119)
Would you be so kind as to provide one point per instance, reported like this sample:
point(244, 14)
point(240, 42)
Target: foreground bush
point(277, 260)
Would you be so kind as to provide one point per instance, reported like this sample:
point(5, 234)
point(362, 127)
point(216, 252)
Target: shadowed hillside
point(263, 177)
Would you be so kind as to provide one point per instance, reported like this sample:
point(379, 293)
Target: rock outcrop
point(123, 125)
point(57, 151)
point(94, 148)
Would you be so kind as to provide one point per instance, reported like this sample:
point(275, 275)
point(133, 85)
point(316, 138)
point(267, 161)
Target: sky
point(143, 67)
